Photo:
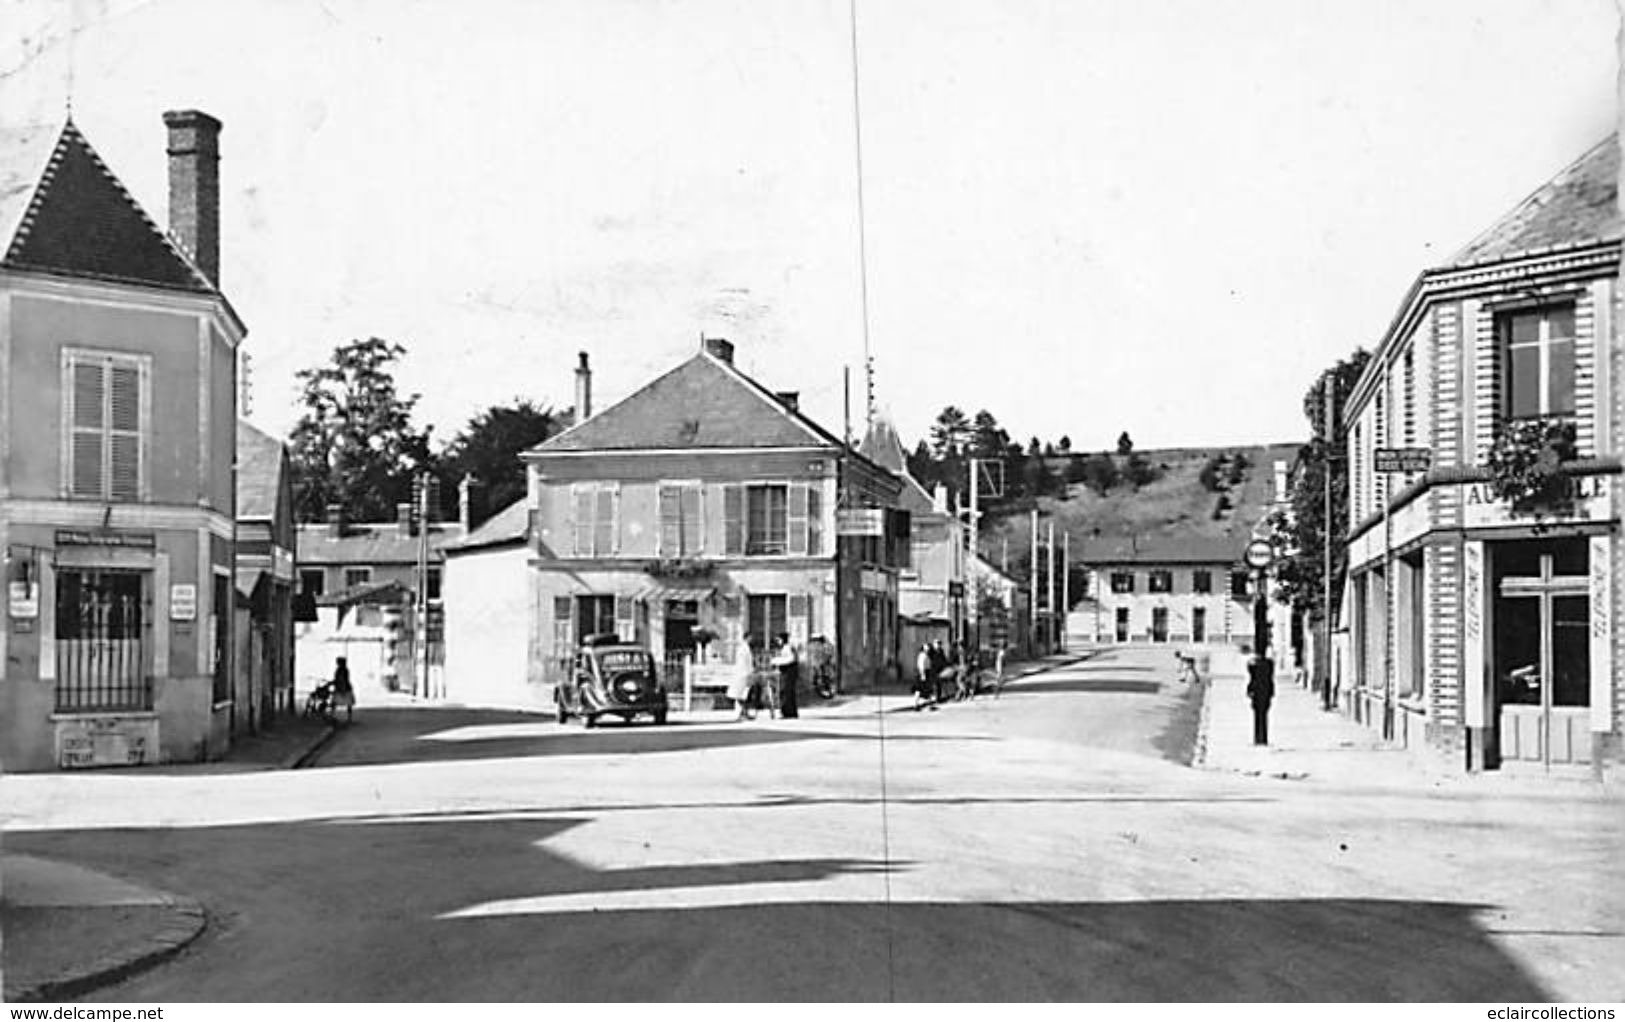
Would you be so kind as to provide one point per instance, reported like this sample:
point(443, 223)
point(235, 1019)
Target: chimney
point(335, 520)
point(403, 517)
point(194, 187)
point(939, 499)
point(469, 492)
point(790, 399)
point(719, 348)
point(583, 389)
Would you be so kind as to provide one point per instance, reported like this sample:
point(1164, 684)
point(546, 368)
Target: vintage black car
point(610, 677)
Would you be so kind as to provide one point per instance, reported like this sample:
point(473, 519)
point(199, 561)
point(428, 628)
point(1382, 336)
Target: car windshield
point(624, 661)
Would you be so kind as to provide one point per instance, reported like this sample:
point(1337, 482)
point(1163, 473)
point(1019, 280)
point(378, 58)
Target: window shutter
point(582, 526)
point(86, 418)
point(733, 520)
point(815, 520)
point(614, 518)
point(693, 532)
point(671, 521)
point(124, 432)
point(563, 616)
point(798, 619)
point(623, 619)
point(798, 519)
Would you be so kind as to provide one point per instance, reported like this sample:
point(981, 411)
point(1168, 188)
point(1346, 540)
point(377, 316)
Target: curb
point(186, 923)
point(1204, 724)
point(305, 757)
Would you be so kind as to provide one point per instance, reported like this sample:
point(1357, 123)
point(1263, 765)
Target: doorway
point(1122, 624)
point(1541, 650)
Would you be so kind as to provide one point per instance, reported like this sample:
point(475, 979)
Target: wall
point(487, 605)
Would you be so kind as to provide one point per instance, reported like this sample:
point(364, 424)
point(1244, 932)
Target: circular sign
point(1259, 554)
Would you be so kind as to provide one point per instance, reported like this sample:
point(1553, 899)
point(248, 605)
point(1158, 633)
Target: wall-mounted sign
point(79, 537)
point(865, 521)
point(23, 600)
point(1401, 459)
point(282, 563)
point(183, 602)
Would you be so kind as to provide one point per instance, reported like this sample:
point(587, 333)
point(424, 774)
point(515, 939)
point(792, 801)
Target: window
point(1539, 345)
point(1199, 624)
point(434, 583)
point(1160, 582)
point(105, 412)
point(1201, 581)
point(595, 615)
point(768, 618)
point(312, 581)
point(681, 533)
point(356, 577)
point(815, 520)
point(1122, 581)
point(597, 513)
point(1239, 587)
point(767, 520)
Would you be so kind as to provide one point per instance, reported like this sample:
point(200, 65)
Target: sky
point(1159, 216)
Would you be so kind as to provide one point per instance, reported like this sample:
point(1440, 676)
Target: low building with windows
point(1169, 589)
point(705, 507)
point(118, 419)
point(1485, 634)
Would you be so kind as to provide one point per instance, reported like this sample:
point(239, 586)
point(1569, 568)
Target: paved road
point(1046, 845)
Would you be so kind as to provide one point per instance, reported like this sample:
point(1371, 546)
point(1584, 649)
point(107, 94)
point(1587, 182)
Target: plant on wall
point(1526, 466)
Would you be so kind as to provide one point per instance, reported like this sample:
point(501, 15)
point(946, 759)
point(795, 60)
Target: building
point(931, 602)
point(1483, 634)
point(358, 590)
point(266, 542)
point(704, 507)
point(487, 592)
point(118, 430)
point(1170, 589)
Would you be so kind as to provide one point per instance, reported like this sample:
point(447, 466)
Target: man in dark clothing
point(1261, 690)
point(785, 660)
point(939, 667)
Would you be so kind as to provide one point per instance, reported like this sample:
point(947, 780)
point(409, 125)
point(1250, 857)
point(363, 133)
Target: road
point(1050, 844)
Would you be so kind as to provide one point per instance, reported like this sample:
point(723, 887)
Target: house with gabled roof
point(705, 506)
point(1481, 628)
point(118, 422)
point(265, 576)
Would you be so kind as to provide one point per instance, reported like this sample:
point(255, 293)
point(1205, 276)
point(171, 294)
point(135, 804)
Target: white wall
point(487, 599)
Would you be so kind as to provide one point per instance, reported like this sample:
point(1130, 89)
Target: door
point(1159, 624)
point(1199, 624)
point(1122, 624)
point(1542, 651)
point(102, 640)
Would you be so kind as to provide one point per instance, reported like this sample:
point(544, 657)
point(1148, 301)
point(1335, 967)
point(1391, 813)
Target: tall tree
point(488, 448)
point(1125, 445)
point(355, 444)
point(950, 434)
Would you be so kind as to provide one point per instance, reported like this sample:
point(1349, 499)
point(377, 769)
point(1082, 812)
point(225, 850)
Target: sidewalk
point(69, 930)
point(1309, 743)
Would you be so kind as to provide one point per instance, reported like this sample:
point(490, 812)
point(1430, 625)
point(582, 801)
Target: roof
point(367, 592)
point(703, 402)
point(63, 211)
point(884, 447)
point(1160, 549)
point(1575, 208)
point(510, 525)
point(259, 472)
point(380, 543)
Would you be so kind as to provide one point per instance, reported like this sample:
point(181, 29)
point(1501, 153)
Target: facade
point(1487, 636)
point(705, 506)
point(1188, 592)
point(118, 428)
point(488, 609)
point(265, 575)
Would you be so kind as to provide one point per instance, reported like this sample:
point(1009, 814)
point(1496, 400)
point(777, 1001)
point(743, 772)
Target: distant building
point(118, 421)
point(1170, 590)
point(266, 550)
point(489, 612)
point(1488, 636)
point(707, 506)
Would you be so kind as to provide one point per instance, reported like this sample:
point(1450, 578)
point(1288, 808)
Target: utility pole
point(1049, 562)
point(1329, 426)
point(1066, 583)
point(1032, 579)
point(420, 630)
point(966, 603)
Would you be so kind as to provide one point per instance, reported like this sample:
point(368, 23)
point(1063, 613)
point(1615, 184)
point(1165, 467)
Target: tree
point(950, 434)
point(488, 448)
point(1125, 446)
point(1209, 476)
point(987, 439)
point(1300, 574)
point(1064, 445)
point(355, 445)
point(1100, 473)
point(1139, 471)
point(1077, 468)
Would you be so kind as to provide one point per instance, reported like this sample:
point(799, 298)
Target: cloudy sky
point(1164, 216)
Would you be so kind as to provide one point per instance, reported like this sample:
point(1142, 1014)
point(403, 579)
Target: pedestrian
point(922, 676)
point(939, 670)
point(789, 671)
point(1261, 690)
point(741, 686)
point(343, 692)
point(998, 671)
point(965, 670)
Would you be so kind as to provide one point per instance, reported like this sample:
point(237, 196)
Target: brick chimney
point(720, 348)
point(583, 388)
point(403, 517)
point(194, 187)
point(469, 493)
point(335, 520)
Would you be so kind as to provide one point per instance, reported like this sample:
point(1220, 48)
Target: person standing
point(1261, 690)
point(785, 660)
point(741, 687)
point(343, 692)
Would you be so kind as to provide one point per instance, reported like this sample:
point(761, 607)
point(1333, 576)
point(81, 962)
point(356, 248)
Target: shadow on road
point(484, 910)
point(1049, 684)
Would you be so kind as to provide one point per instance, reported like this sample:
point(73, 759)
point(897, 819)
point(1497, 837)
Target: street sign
point(1259, 554)
point(1401, 459)
point(866, 521)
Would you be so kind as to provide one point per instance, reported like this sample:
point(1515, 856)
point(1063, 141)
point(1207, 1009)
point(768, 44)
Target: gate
point(101, 642)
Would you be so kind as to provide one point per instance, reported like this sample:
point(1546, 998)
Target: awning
point(247, 579)
point(662, 593)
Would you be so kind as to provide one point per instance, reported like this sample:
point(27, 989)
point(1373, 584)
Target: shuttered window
point(105, 414)
point(680, 531)
point(596, 525)
point(733, 520)
point(815, 520)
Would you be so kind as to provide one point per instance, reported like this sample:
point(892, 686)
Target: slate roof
point(381, 543)
point(259, 472)
point(510, 525)
point(705, 402)
point(884, 447)
point(1573, 209)
point(1163, 549)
